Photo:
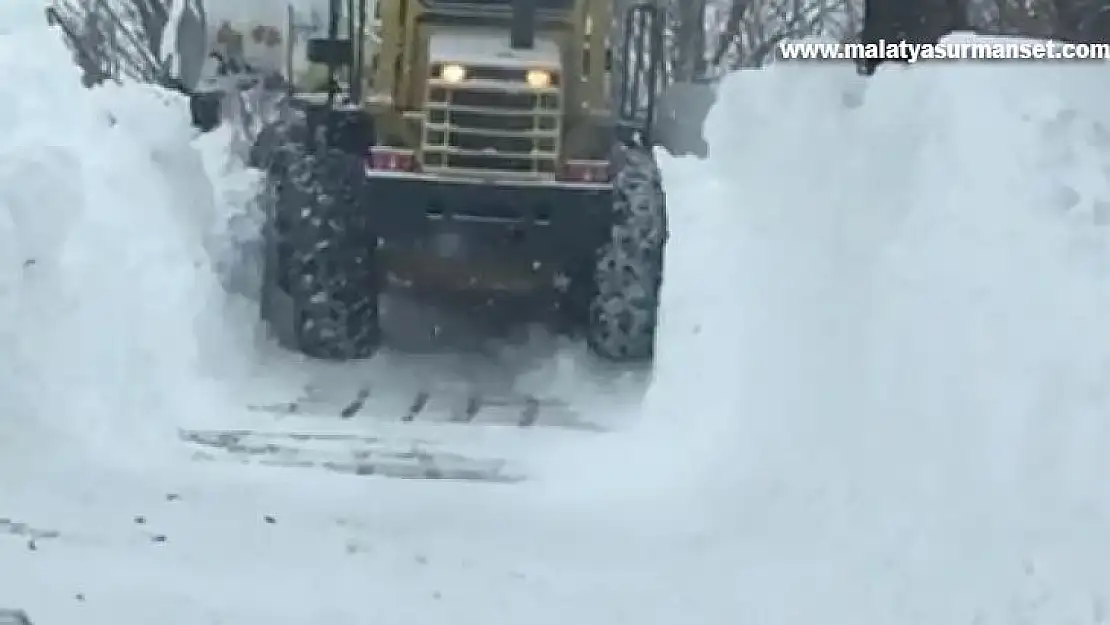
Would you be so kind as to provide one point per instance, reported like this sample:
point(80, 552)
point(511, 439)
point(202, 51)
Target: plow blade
point(451, 405)
point(442, 434)
point(350, 454)
point(13, 617)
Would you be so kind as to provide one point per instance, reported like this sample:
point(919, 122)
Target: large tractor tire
point(321, 283)
point(623, 307)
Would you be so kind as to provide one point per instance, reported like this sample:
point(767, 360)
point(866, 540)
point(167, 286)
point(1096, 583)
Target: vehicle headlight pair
point(536, 78)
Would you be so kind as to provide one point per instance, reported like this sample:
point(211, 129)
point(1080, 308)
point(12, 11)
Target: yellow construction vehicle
point(496, 150)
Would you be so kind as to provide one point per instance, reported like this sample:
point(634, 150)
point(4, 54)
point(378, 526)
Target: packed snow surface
point(881, 393)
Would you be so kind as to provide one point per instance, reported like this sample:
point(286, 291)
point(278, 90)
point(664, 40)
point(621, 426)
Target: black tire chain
point(332, 272)
point(623, 312)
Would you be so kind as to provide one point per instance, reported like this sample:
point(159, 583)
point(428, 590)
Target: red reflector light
point(391, 159)
point(586, 171)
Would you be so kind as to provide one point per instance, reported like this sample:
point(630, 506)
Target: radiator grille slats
point(492, 122)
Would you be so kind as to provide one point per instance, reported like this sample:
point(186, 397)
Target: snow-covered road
point(347, 550)
point(881, 393)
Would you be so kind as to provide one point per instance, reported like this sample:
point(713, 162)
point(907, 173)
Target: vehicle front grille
point(484, 125)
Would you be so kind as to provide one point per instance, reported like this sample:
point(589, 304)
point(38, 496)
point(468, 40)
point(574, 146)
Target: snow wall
point(109, 248)
point(884, 364)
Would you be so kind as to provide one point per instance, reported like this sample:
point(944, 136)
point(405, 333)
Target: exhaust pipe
point(522, 30)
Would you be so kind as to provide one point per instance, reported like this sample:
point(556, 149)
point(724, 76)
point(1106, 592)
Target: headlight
point(453, 73)
point(538, 78)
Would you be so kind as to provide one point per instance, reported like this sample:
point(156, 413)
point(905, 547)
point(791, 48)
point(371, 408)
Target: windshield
point(543, 5)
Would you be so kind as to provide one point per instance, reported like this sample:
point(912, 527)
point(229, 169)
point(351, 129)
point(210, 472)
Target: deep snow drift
point(885, 361)
point(105, 273)
point(880, 396)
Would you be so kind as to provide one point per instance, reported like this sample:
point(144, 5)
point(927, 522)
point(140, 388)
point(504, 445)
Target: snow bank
point(103, 211)
point(885, 358)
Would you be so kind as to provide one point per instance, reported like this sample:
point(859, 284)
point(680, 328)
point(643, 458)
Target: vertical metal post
point(359, 62)
point(334, 8)
point(640, 76)
point(14, 617)
point(654, 75)
point(522, 29)
point(290, 44)
point(352, 70)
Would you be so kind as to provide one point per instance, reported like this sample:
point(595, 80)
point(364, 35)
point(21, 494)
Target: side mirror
point(330, 52)
point(681, 115)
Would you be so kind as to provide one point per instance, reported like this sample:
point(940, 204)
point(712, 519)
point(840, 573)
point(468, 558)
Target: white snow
point(105, 275)
point(880, 396)
point(883, 370)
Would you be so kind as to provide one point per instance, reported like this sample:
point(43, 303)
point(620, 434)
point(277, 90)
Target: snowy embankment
point(105, 210)
point(885, 359)
point(880, 396)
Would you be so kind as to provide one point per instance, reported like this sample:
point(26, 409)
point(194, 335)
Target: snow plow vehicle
point(490, 152)
point(487, 154)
